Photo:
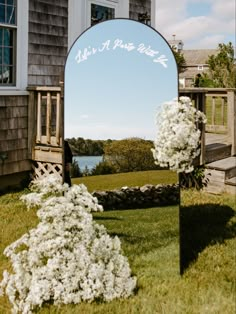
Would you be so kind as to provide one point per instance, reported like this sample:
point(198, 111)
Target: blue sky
point(201, 24)
point(117, 76)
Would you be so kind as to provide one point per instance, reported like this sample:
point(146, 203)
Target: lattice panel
point(41, 169)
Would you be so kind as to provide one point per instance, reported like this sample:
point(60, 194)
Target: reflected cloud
point(84, 116)
point(106, 131)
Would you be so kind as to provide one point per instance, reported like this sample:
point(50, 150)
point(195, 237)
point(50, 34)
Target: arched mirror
point(118, 74)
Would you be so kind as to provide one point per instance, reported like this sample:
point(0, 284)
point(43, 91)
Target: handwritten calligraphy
point(108, 45)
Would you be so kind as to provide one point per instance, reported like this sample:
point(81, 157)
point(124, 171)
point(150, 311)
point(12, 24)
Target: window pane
point(8, 56)
point(7, 60)
point(7, 42)
point(1, 74)
point(2, 13)
point(8, 12)
point(100, 13)
point(10, 2)
point(6, 37)
point(1, 58)
point(11, 15)
point(1, 36)
point(6, 75)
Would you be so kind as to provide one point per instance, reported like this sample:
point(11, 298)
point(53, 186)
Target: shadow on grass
point(143, 231)
point(200, 226)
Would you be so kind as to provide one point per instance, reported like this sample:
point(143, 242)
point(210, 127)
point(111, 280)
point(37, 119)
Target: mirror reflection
point(118, 75)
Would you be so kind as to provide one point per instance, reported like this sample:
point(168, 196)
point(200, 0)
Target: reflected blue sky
point(117, 75)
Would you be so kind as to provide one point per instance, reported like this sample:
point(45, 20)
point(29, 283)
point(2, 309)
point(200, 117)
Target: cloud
point(215, 24)
point(84, 116)
point(106, 131)
point(210, 41)
point(222, 10)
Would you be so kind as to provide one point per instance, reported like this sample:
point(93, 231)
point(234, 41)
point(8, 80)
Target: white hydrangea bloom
point(178, 139)
point(67, 258)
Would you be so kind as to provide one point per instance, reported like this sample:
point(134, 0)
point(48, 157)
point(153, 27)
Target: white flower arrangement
point(67, 258)
point(178, 139)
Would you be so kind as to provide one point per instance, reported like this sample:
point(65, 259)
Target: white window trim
point(21, 48)
point(200, 67)
point(22, 44)
point(78, 19)
point(153, 14)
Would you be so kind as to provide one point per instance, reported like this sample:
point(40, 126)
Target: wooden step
point(231, 181)
point(221, 175)
point(226, 165)
point(230, 185)
point(217, 151)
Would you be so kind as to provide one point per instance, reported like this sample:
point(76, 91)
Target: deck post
point(39, 119)
point(231, 119)
point(198, 96)
point(203, 130)
point(58, 118)
point(31, 123)
point(48, 118)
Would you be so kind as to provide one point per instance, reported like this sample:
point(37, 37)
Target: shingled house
point(195, 64)
point(35, 36)
point(195, 61)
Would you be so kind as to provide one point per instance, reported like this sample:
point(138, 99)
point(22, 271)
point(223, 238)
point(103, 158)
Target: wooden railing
point(47, 105)
point(45, 128)
point(46, 119)
point(220, 106)
point(217, 107)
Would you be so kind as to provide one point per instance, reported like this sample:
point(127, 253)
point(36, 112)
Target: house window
point(84, 13)
point(101, 10)
point(200, 67)
point(7, 42)
point(101, 13)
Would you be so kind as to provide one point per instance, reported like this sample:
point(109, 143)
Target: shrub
point(103, 167)
point(195, 179)
point(75, 170)
point(67, 258)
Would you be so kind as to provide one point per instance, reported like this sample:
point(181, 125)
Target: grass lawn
point(139, 178)
point(150, 240)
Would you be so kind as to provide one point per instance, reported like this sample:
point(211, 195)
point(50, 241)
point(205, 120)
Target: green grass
point(139, 178)
point(150, 240)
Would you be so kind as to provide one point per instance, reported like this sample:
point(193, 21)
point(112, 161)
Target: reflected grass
point(115, 181)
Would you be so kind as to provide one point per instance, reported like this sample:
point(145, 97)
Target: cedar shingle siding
point(48, 29)
point(14, 134)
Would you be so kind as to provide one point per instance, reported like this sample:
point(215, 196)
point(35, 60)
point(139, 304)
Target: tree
point(180, 60)
point(75, 170)
point(83, 147)
point(102, 167)
point(132, 154)
point(222, 67)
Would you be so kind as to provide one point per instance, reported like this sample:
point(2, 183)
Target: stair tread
point(223, 164)
point(231, 181)
point(214, 146)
